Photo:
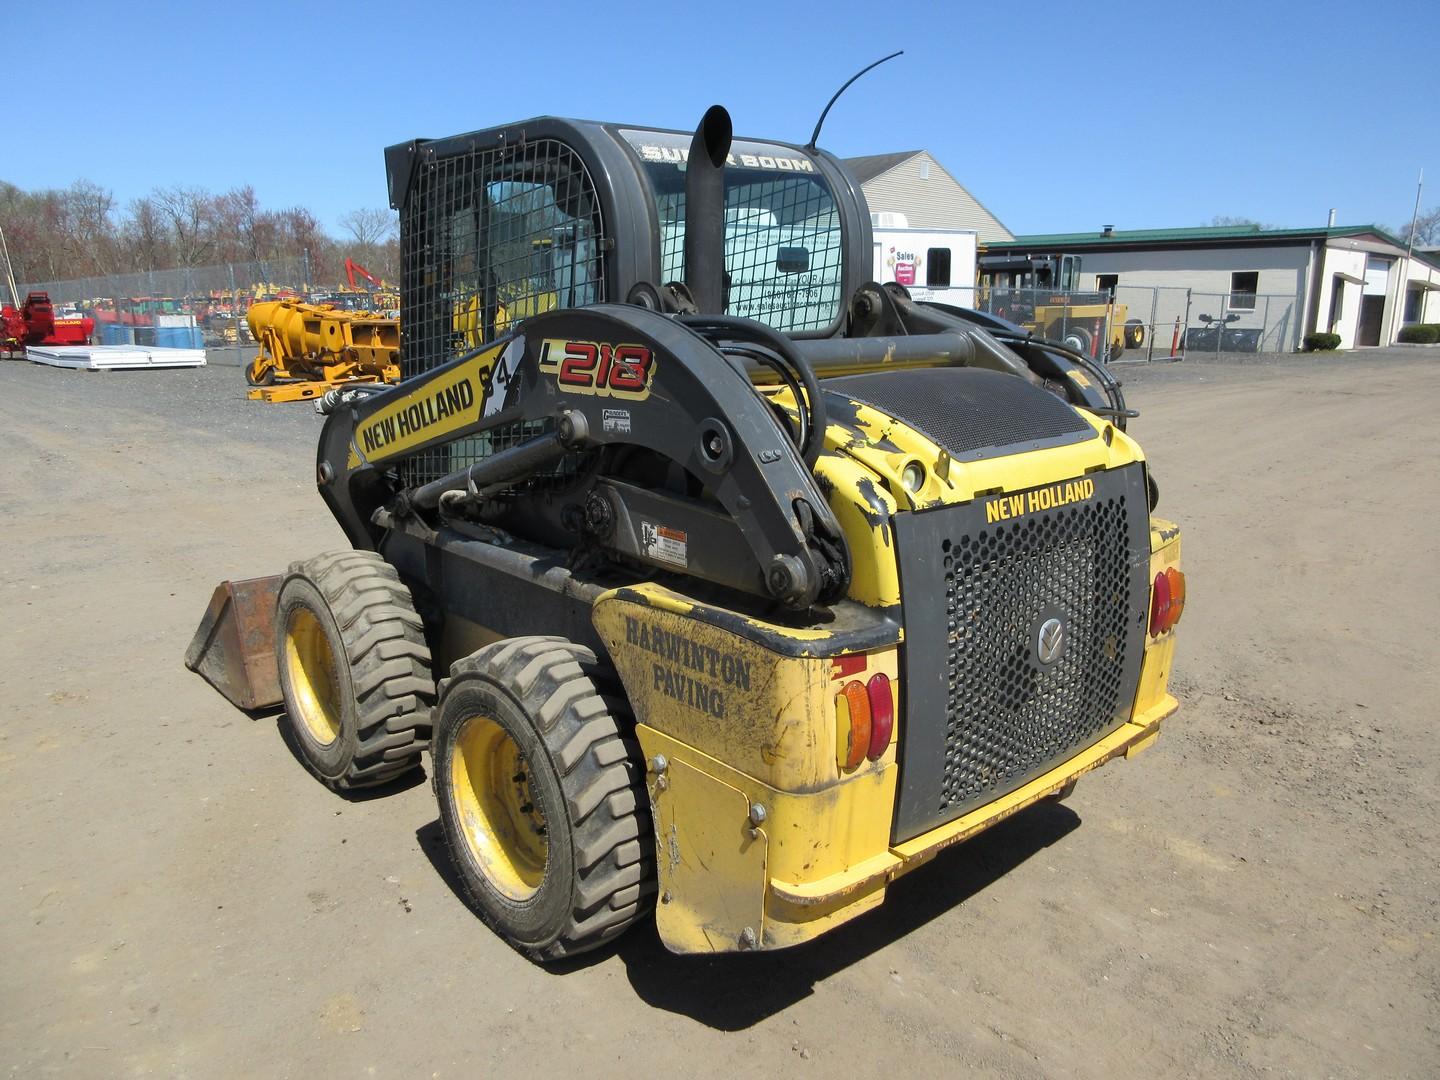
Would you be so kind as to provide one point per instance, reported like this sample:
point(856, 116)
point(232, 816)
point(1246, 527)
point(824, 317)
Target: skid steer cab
point(716, 579)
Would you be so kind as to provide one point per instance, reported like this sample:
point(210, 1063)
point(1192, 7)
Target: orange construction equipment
point(306, 349)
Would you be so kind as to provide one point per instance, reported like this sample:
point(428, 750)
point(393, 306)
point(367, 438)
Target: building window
point(937, 267)
point(1413, 299)
point(1107, 283)
point(1244, 284)
point(924, 170)
point(1337, 302)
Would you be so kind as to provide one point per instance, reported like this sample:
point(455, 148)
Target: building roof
point(1201, 236)
point(867, 168)
point(892, 183)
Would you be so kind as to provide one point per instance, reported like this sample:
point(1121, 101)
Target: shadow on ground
point(404, 782)
point(731, 993)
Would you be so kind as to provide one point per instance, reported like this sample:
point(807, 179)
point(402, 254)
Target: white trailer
point(934, 264)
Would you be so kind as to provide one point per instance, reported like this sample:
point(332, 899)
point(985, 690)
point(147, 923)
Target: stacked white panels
point(113, 357)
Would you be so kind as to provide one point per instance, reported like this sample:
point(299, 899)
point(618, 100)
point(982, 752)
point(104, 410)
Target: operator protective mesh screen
point(490, 236)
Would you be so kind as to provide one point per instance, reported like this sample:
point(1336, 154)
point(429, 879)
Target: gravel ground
point(1254, 896)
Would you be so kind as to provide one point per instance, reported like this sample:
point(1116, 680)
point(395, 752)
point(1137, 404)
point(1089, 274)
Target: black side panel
point(983, 713)
point(971, 412)
point(509, 591)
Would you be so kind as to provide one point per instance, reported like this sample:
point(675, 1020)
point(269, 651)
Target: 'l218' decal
point(592, 367)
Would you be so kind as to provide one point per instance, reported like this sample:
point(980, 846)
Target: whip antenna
point(815, 135)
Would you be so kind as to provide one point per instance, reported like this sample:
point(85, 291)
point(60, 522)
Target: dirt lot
point(1257, 894)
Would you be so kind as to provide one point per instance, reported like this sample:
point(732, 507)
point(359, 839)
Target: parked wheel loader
point(723, 582)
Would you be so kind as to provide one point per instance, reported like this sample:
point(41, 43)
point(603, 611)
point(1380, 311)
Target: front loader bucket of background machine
point(234, 646)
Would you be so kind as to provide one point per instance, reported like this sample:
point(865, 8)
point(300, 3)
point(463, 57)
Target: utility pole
point(1409, 251)
point(1415, 217)
point(10, 270)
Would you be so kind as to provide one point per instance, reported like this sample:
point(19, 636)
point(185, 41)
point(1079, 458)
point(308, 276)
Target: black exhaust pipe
point(705, 211)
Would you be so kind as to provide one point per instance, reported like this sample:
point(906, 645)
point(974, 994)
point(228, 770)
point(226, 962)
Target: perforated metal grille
point(782, 246)
point(969, 411)
point(489, 237)
point(1008, 717)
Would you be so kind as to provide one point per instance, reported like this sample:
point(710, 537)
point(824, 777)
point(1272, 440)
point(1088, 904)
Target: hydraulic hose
point(737, 329)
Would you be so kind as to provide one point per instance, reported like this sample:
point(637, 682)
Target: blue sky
point(1059, 117)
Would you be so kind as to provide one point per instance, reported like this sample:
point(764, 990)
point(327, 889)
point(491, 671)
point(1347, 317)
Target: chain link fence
point(1180, 322)
point(1144, 322)
point(213, 299)
point(1128, 323)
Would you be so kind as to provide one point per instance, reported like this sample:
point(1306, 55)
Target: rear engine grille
point(1006, 714)
point(985, 712)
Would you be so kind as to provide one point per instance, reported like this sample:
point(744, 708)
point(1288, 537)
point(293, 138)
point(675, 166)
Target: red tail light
point(882, 715)
point(1167, 600)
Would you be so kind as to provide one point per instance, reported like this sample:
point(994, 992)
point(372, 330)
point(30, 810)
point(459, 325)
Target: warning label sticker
point(665, 544)
point(617, 421)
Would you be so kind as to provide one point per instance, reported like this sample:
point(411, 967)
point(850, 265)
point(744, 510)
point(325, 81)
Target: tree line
point(81, 231)
point(1426, 227)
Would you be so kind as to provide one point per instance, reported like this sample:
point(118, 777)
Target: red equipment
point(34, 323)
point(352, 268)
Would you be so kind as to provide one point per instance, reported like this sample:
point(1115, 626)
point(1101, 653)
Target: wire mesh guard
point(1009, 716)
point(782, 245)
point(489, 237)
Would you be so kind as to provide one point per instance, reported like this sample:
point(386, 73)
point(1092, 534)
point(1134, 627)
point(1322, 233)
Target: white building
point(1270, 286)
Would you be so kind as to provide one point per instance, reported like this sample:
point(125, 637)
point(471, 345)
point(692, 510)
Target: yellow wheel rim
point(496, 809)
point(314, 680)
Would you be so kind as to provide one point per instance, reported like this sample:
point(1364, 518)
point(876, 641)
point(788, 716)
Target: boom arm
point(699, 471)
point(352, 268)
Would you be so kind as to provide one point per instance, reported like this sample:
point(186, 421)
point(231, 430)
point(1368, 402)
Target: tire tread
point(588, 733)
point(384, 643)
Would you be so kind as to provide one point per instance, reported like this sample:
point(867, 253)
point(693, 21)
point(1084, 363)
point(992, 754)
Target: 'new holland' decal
point(439, 407)
point(1005, 507)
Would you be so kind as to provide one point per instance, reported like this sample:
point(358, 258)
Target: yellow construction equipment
point(306, 349)
point(706, 576)
point(1042, 294)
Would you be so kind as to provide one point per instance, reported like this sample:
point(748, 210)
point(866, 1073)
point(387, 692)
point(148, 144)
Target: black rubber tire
point(1134, 334)
point(384, 688)
point(1075, 337)
point(267, 377)
point(567, 713)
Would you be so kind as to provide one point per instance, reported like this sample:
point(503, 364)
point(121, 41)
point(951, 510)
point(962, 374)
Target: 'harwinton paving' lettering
point(675, 680)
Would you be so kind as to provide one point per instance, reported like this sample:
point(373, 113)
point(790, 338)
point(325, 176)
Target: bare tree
point(369, 227)
point(244, 225)
point(145, 236)
point(1427, 229)
point(190, 213)
point(301, 234)
point(1225, 220)
point(89, 230)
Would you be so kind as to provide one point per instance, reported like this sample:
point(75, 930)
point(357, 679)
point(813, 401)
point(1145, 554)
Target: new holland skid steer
point(716, 579)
